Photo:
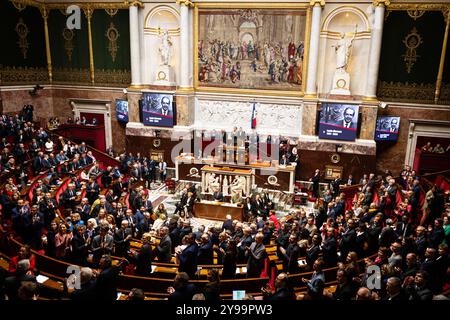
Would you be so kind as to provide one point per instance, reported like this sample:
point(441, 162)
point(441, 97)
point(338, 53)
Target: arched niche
point(163, 17)
point(344, 20)
point(159, 18)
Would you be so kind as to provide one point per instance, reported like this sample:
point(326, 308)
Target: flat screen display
point(158, 109)
point(338, 121)
point(387, 128)
point(122, 110)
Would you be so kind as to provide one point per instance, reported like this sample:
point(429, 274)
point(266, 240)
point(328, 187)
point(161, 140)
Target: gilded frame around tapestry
point(278, 68)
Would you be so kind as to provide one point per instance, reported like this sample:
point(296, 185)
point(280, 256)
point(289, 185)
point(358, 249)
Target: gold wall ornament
point(22, 31)
point(112, 77)
point(112, 11)
point(415, 14)
point(314, 3)
point(385, 3)
point(63, 12)
point(23, 75)
point(135, 3)
point(71, 75)
point(19, 5)
point(187, 3)
point(112, 34)
point(446, 14)
point(412, 41)
point(68, 36)
point(406, 92)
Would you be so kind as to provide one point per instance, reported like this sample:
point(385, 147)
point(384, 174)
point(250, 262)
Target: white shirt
point(49, 146)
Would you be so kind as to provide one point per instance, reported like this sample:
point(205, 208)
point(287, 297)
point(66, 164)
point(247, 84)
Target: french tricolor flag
point(254, 116)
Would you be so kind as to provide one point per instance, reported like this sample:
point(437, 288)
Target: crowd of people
point(83, 121)
point(384, 227)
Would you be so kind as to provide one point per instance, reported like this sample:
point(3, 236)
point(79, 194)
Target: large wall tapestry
point(251, 48)
point(410, 56)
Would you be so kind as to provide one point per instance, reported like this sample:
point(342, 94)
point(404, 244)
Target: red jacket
point(273, 218)
point(15, 260)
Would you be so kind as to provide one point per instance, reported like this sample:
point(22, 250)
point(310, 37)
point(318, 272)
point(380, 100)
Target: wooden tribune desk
point(218, 210)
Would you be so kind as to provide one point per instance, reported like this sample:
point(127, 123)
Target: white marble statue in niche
point(164, 73)
point(343, 50)
point(165, 47)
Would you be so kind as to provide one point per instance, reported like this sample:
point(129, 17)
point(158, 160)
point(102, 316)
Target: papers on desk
point(241, 270)
point(41, 279)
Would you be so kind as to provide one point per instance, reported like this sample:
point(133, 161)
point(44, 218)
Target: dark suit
point(92, 192)
point(13, 283)
point(163, 250)
point(315, 180)
point(121, 246)
point(85, 293)
point(33, 226)
point(329, 251)
point(246, 241)
point(79, 248)
point(227, 225)
point(351, 125)
point(188, 260)
point(205, 253)
point(106, 285)
point(281, 294)
point(98, 250)
point(249, 209)
point(312, 253)
point(348, 242)
point(255, 263)
point(218, 196)
point(167, 112)
point(184, 293)
point(144, 260)
point(290, 261)
point(387, 236)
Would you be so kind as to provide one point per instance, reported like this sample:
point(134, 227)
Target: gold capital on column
point(314, 3)
point(135, 3)
point(385, 3)
point(187, 3)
